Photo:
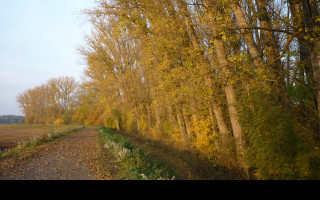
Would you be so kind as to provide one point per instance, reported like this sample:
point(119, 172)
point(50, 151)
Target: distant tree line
point(50, 103)
point(11, 119)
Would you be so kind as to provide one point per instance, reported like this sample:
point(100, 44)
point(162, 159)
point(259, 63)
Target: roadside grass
point(133, 162)
point(38, 140)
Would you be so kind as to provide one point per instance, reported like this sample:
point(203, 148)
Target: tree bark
point(172, 117)
point(213, 126)
point(311, 12)
point(271, 49)
point(187, 123)
point(183, 133)
point(193, 110)
point(316, 73)
point(117, 124)
point(248, 37)
point(158, 121)
point(149, 115)
point(223, 129)
point(229, 89)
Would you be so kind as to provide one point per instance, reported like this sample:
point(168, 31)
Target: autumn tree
point(235, 81)
point(49, 102)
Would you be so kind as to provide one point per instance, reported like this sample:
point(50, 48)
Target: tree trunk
point(316, 73)
point(118, 124)
point(248, 37)
point(172, 117)
point(211, 117)
point(187, 123)
point(193, 110)
point(137, 118)
point(229, 90)
point(158, 121)
point(149, 115)
point(183, 133)
point(311, 12)
point(213, 126)
point(272, 50)
point(195, 43)
point(223, 128)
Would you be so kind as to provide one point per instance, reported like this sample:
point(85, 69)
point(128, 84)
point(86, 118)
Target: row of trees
point(50, 103)
point(236, 81)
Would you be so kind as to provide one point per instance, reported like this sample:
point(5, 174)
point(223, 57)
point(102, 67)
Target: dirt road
point(74, 157)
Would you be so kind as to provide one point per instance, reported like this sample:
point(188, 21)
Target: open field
point(11, 134)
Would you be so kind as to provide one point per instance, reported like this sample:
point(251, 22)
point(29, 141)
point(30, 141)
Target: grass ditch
point(38, 140)
point(133, 162)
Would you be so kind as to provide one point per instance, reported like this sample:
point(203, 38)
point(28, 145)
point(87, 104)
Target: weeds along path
point(165, 155)
point(74, 157)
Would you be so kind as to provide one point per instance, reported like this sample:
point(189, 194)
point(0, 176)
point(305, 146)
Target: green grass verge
point(27, 145)
point(133, 162)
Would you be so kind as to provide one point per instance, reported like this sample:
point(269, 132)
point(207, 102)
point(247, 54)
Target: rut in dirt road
point(74, 157)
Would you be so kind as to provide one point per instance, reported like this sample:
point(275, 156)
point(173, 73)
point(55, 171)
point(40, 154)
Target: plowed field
point(11, 134)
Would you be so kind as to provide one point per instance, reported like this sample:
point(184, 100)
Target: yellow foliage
point(58, 122)
point(176, 136)
point(143, 125)
point(153, 131)
point(204, 142)
point(88, 123)
point(110, 123)
point(130, 120)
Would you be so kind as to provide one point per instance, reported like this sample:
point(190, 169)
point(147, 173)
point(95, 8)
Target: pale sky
point(38, 41)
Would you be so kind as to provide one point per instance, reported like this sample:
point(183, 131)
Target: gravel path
point(74, 157)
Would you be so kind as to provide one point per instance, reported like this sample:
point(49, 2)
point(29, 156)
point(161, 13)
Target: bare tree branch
point(264, 29)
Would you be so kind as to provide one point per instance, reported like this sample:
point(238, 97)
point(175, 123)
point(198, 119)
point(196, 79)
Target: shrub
point(277, 146)
point(205, 140)
point(110, 123)
point(58, 122)
point(143, 125)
